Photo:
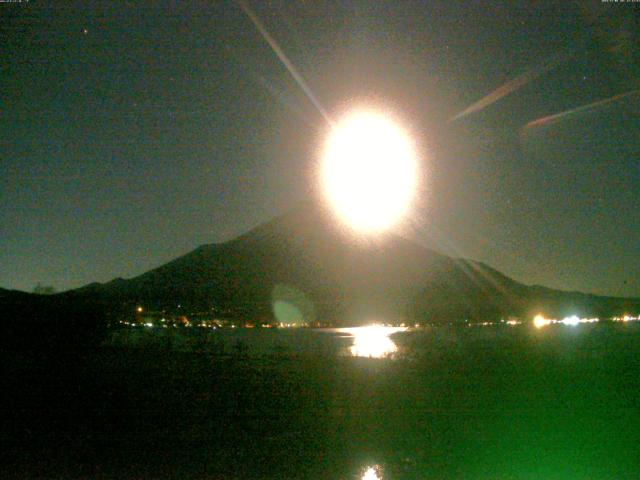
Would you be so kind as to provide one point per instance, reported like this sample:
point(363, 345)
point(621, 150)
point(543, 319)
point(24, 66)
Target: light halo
point(369, 171)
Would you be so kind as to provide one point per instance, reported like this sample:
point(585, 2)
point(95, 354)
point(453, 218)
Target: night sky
point(131, 133)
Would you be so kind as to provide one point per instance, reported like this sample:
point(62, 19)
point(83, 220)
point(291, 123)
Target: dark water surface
point(448, 403)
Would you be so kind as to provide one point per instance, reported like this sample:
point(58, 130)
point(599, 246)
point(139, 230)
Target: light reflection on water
point(372, 341)
point(371, 473)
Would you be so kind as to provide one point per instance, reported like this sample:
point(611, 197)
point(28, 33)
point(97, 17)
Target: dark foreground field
point(562, 403)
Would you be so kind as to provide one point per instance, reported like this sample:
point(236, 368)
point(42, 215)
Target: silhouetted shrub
point(51, 325)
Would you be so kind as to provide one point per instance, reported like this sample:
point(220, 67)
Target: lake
point(562, 402)
point(373, 341)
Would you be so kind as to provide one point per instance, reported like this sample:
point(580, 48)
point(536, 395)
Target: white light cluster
point(540, 321)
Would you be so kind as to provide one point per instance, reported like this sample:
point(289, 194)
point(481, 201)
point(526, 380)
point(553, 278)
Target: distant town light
point(139, 309)
point(572, 320)
point(539, 321)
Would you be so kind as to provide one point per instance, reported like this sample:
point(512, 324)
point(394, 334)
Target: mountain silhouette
point(306, 258)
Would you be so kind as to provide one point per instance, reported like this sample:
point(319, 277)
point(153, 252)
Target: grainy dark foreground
point(459, 403)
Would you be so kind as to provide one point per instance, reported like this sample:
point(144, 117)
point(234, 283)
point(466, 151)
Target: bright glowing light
point(139, 309)
point(369, 171)
point(373, 341)
point(572, 320)
point(370, 474)
point(625, 318)
point(539, 321)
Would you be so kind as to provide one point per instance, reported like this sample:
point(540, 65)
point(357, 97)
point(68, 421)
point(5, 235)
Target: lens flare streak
point(283, 58)
point(511, 86)
point(591, 107)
